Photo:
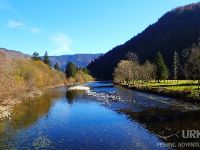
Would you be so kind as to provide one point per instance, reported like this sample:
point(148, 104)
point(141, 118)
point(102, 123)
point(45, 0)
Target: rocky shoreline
point(7, 105)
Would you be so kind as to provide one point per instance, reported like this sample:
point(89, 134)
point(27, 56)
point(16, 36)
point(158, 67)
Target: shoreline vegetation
point(185, 91)
point(181, 80)
point(26, 78)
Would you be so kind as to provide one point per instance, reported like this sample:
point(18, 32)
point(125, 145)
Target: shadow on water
point(167, 124)
point(62, 117)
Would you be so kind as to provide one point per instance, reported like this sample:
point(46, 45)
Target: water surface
point(106, 117)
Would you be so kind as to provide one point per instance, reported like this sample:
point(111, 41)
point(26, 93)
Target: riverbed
point(104, 117)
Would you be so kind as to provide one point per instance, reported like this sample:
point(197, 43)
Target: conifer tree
point(46, 59)
point(161, 68)
point(35, 56)
point(71, 70)
point(56, 66)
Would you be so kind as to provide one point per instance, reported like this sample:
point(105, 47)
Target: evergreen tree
point(56, 66)
point(85, 70)
point(35, 56)
point(71, 70)
point(46, 59)
point(161, 68)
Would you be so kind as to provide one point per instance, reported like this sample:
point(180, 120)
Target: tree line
point(70, 70)
point(131, 71)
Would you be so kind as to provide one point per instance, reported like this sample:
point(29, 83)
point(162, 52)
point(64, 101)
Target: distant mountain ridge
point(174, 31)
point(81, 60)
point(12, 54)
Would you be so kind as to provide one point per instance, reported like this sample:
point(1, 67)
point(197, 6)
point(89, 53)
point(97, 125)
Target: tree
point(35, 56)
point(132, 56)
point(71, 70)
point(123, 72)
point(193, 63)
point(46, 59)
point(85, 70)
point(56, 66)
point(161, 68)
point(149, 70)
point(176, 66)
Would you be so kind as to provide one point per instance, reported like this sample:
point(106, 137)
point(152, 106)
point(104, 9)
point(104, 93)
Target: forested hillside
point(81, 60)
point(174, 31)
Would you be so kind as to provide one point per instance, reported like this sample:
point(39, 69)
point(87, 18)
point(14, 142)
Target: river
point(107, 117)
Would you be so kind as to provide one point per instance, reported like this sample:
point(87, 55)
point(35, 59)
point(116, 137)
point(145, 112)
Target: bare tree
point(193, 63)
point(123, 72)
point(132, 56)
point(149, 70)
point(176, 66)
point(128, 71)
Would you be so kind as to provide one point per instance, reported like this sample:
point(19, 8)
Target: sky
point(76, 26)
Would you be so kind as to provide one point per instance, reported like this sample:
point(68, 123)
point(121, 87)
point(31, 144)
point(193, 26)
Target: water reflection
point(61, 119)
point(25, 114)
point(73, 94)
point(167, 124)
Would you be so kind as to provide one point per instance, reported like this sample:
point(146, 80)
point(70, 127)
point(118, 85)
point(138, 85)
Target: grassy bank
point(181, 89)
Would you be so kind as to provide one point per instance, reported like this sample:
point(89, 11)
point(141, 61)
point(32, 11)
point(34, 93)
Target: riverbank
point(22, 79)
point(186, 94)
point(7, 105)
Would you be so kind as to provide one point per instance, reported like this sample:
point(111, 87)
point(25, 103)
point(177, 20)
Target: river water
point(107, 117)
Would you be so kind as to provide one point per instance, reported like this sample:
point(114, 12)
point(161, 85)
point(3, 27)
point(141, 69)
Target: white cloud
point(15, 24)
point(62, 43)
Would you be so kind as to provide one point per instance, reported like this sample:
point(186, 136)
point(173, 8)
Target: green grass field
point(174, 84)
point(180, 85)
point(188, 88)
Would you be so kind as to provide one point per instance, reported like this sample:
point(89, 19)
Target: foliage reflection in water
point(110, 118)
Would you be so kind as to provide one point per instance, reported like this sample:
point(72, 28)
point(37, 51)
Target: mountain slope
point(81, 60)
point(11, 54)
point(176, 30)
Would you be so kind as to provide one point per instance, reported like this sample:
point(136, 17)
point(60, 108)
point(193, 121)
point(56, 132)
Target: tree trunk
point(198, 87)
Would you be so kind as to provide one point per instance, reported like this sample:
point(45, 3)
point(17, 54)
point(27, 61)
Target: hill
point(21, 78)
point(81, 60)
point(176, 30)
point(11, 54)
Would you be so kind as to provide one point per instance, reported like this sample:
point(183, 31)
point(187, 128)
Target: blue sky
point(76, 26)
